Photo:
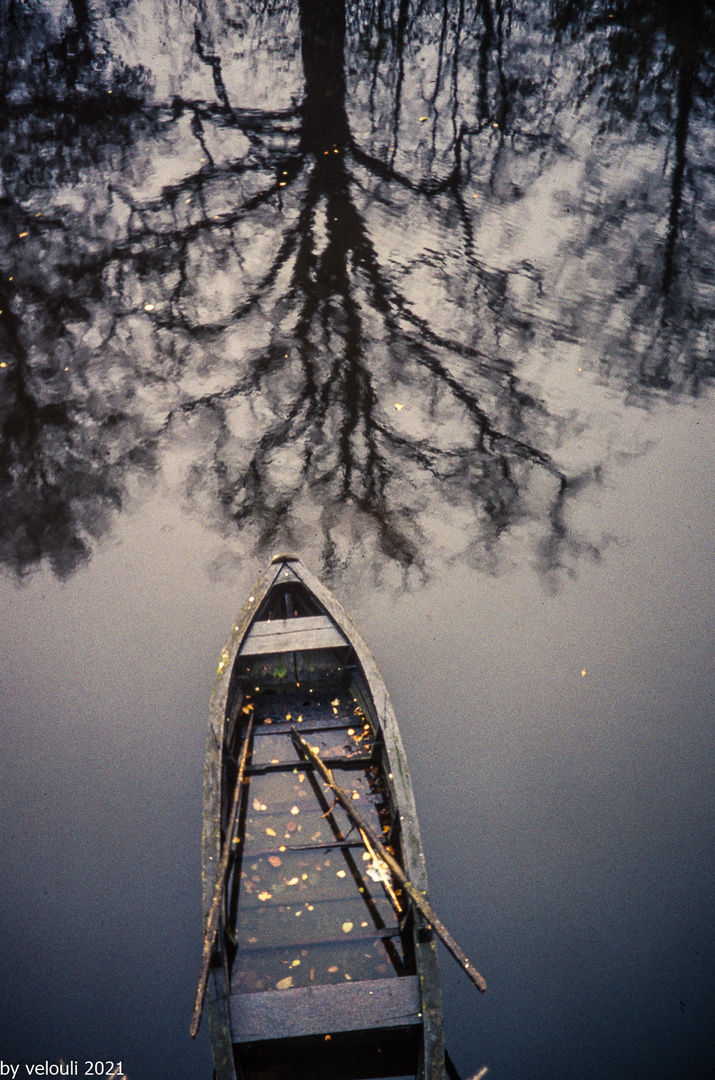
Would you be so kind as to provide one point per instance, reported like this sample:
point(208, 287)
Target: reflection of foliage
point(251, 288)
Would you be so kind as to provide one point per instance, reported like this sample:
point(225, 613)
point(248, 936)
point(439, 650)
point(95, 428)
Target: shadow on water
point(303, 273)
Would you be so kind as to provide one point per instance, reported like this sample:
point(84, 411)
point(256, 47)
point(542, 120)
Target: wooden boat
point(323, 969)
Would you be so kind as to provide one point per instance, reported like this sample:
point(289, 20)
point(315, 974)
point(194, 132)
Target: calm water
point(425, 293)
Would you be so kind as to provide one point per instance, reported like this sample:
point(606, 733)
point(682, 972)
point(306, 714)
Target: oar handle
point(415, 895)
point(221, 876)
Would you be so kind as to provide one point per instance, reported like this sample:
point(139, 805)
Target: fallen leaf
point(333, 969)
point(399, 407)
point(366, 856)
point(271, 832)
point(265, 895)
point(285, 984)
point(346, 927)
point(295, 963)
point(293, 881)
point(291, 826)
point(274, 860)
point(422, 119)
point(340, 873)
point(294, 810)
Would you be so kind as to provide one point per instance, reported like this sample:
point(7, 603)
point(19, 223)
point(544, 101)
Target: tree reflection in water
point(300, 260)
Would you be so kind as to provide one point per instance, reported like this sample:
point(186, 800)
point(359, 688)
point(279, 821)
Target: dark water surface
point(425, 293)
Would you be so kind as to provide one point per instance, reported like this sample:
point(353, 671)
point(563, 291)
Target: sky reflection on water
point(231, 248)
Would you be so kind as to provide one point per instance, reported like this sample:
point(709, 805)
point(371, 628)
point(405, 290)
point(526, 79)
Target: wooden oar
point(213, 919)
point(415, 895)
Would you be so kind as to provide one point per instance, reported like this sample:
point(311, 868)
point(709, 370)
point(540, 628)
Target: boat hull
point(322, 969)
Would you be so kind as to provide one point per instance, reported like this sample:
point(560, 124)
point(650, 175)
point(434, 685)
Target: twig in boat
point(414, 894)
point(213, 919)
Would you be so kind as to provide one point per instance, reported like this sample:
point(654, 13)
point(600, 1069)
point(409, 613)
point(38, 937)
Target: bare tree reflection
point(277, 287)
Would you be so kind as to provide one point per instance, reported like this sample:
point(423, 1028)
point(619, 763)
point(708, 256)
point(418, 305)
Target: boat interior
point(319, 945)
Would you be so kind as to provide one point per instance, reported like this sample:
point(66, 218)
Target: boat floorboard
point(317, 1010)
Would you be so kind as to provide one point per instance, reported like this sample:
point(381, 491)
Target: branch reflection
point(298, 265)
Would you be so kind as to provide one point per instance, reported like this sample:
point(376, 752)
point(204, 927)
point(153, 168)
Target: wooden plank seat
point(292, 635)
point(326, 1009)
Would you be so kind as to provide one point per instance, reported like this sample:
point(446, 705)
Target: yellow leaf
point(271, 832)
point(294, 810)
point(346, 927)
point(422, 119)
point(293, 881)
point(399, 407)
point(285, 984)
point(340, 873)
point(295, 963)
point(265, 895)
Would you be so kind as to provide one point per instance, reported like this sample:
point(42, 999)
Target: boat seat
point(292, 635)
point(322, 1010)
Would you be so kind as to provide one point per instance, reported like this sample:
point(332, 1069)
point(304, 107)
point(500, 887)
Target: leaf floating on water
point(258, 805)
point(294, 810)
point(333, 969)
point(274, 860)
point(346, 927)
point(348, 977)
point(340, 873)
point(336, 702)
point(271, 832)
point(293, 881)
point(295, 963)
point(285, 984)
point(265, 895)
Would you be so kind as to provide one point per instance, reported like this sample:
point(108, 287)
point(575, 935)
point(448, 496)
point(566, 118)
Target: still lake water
point(424, 293)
